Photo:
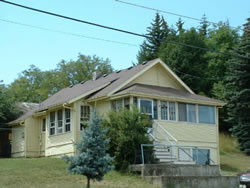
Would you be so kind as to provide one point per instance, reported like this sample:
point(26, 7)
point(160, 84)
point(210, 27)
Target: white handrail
point(169, 134)
point(167, 139)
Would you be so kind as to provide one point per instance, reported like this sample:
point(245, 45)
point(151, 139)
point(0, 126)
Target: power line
point(123, 31)
point(67, 33)
point(171, 13)
point(197, 77)
point(77, 35)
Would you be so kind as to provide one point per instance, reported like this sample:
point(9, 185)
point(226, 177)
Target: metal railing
point(164, 133)
point(174, 152)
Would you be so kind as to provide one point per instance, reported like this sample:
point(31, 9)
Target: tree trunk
point(88, 183)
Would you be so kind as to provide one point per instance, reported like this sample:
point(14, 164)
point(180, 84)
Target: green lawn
point(232, 160)
point(51, 172)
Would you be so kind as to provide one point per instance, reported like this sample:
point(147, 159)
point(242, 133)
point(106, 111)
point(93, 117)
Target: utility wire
point(197, 77)
point(77, 35)
point(123, 31)
point(67, 33)
point(171, 13)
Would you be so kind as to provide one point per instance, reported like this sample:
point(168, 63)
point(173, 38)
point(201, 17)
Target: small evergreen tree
point(238, 92)
point(91, 160)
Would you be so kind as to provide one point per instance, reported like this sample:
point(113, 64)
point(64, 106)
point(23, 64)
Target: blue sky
point(22, 46)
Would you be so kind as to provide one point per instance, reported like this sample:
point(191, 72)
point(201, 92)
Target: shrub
point(127, 130)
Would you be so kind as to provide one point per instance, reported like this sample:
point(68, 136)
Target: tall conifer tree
point(238, 91)
point(156, 34)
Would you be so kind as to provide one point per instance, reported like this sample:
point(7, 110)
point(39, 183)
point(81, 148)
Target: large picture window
point(187, 112)
point(146, 107)
point(206, 114)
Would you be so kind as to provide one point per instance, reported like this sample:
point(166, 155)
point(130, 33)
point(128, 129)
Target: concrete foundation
point(194, 181)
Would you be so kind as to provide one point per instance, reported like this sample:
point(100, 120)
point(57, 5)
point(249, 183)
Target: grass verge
point(52, 173)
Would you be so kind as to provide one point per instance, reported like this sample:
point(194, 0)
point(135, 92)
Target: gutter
point(67, 107)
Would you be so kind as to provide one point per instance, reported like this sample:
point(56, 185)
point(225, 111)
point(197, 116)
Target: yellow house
point(185, 125)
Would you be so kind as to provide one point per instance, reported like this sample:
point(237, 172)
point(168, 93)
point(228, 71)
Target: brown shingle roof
point(108, 82)
point(166, 92)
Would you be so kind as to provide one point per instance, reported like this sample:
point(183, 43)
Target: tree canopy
point(34, 85)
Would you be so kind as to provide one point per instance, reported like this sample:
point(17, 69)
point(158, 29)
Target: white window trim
point(80, 115)
point(208, 124)
point(64, 122)
point(42, 131)
point(168, 109)
point(152, 104)
point(56, 123)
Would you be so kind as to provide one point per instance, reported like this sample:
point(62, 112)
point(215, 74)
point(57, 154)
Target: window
point(67, 120)
point(84, 116)
point(135, 101)
point(206, 114)
point(164, 110)
point(172, 114)
point(146, 107)
point(113, 105)
point(117, 105)
point(155, 116)
point(52, 123)
point(187, 112)
point(168, 111)
point(43, 124)
point(59, 121)
point(201, 156)
point(126, 102)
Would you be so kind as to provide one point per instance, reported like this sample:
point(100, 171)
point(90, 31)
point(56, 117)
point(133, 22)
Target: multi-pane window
point(206, 114)
point(67, 120)
point(172, 113)
point(59, 121)
point(168, 111)
point(43, 124)
point(52, 119)
point(84, 116)
point(187, 112)
point(118, 104)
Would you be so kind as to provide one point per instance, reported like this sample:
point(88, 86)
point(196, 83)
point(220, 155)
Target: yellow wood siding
point(193, 134)
point(32, 137)
point(17, 143)
point(103, 107)
point(59, 144)
point(157, 76)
